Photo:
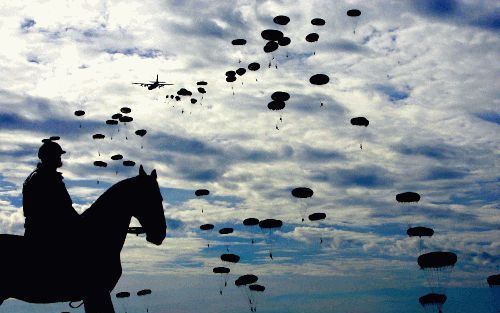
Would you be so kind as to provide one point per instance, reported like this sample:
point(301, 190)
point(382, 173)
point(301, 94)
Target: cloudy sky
point(424, 73)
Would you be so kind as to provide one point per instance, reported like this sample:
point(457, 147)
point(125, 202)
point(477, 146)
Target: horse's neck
point(109, 217)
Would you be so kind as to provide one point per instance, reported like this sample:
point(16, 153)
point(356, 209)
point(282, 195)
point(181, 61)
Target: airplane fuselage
point(153, 86)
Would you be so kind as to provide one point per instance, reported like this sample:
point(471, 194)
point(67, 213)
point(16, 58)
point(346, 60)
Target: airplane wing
point(142, 84)
point(163, 84)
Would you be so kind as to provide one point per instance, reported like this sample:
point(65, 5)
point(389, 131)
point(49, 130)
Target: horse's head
point(149, 208)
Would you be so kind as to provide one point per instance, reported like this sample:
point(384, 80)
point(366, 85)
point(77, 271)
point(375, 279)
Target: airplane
point(153, 84)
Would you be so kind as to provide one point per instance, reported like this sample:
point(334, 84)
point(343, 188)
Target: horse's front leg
point(98, 301)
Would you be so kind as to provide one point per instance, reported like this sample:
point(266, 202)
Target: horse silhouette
point(88, 266)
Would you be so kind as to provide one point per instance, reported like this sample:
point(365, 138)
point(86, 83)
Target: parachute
point(276, 105)
point(254, 66)
point(125, 119)
point(437, 267)
point(226, 231)
point(280, 96)
point(98, 137)
point(241, 71)
point(302, 193)
point(255, 291)
point(312, 37)
point(318, 22)
point(281, 19)
point(354, 15)
point(116, 157)
point(201, 193)
point(420, 231)
point(123, 299)
point(319, 79)
point(249, 222)
point(80, 113)
point(207, 228)
point(128, 163)
point(433, 301)
point(243, 283)
point(317, 217)
point(100, 164)
point(201, 83)
point(285, 41)
point(239, 42)
point(111, 123)
point(407, 197)
point(125, 110)
point(360, 121)
point(271, 34)
point(54, 138)
point(408, 200)
point(144, 296)
point(224, 274)
point(271, 46)
point(268, 227)
point(116, 116)
point(141, 133)
point(230, 258)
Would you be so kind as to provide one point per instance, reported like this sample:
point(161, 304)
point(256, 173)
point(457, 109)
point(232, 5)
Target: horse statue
point(88, 266)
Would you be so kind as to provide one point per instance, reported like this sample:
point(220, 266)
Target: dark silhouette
point(82, 264)
point(153, 84)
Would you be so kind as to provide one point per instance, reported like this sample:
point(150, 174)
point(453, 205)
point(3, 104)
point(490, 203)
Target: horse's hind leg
point(98, 302)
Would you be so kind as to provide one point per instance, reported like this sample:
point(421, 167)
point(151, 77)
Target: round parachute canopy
point(54, 138)
point(280, 96)
point(285, 41)
point(271, 34)
point(141, 132)
point(254, 66)
point(271, 46)
point(116, 157)
point(184, 92)
point(312, 37)
point(408, 197)
point(123, 294)
point(193, 100)
point(302, 192)
point(420, 231)
point(239, 42)
point(251, 221)
point(229, 257)
point(126, 119)
point(276, 105)
point(201, 192)
point(98, 136)
point(221, 270)
point(241, 71)
point(319, 79)
point(437, 259)
point(128, 163)
point(230, 73)
point(230, 79)
point(207, 227)
point(257, 287)
point(494, 280)
point(111, 122)
point(270, 223)
point(177, 98)
point(281, 20)
point(317, 216)
point(125, 110)
point(202, 90)
point(353, 13)
point(144, 292)
point(318, 21)
point(202, 83)
point(116, 116)
point(136, 230)
point(225, 231)
point(79, 113)
point(100, 164)
point(432, 299)
point(246, 280)
point(360, 121)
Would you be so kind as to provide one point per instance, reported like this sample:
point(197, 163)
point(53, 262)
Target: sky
point(424, 73)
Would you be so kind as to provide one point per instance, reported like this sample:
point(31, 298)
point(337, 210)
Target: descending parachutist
point(225, 284)
point(269, 64)
point(320, 240)
point(253, 241)
point(287, 54)
point(276, 66)
point(277, 128)
point(271, 255)
point(321, 104)
point(302, 220)
point(239, 60)
point(220, 292)
point(361, 146)
point(281, 119)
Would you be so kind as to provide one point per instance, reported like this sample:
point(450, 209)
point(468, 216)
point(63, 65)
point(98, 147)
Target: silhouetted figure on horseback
point(48, 209)
point(67, 257)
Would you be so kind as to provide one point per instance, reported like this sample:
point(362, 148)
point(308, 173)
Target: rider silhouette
point(47, 206)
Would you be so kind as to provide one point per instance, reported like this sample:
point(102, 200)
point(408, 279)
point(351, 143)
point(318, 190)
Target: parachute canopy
point(201, 192)
point(229, 257)
point(317, 216)
point(239, 42)
point(254, 66)
point(285, 41)
point(111, 122)
point(353, 13)
point(202, 83)
point(281, 19)
point(437, 259)
point(271, 46)
point(251, 221)
point(144, 292)
point(202, 90)
point(246, 280)
point(98, 136)
point(79, 113)
point(54, 138)
point(302, 192)
point(319, 79)
point(100, 164)
point(270, 223)
point(207, 227)
point(318, 21)
point(126, 119)
point(184, 92)
point(123, 294)
point(271, 34)
point(241, 71)
point(116, 157)
point(280, 96)
point(432, 299)
point(125, 110)
point(116, 116)
point(494, 280)
point(141, 132)
point(276, 105)
point(257, 287)
point(226, 230)
point(312, 37)
point(221, 270)
point(360, 121)
point(408, 197)
point(420, 231)
point(193, 100)
point(128, 163)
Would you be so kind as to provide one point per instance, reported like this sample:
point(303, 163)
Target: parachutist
point(276, 66)
point(320, 240)
point(321, 104)
point(220, 292)
point(302, 220)
point(225, 284)
point(281, 119)
point(271, 255)
point(253, 241)
point(361, 146)
point(277, 128)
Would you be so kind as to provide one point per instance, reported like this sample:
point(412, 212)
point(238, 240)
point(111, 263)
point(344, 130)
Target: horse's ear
point(141, 171)
point(153, 174)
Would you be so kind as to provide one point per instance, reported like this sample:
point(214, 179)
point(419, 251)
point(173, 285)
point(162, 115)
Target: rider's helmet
point(50, 150)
